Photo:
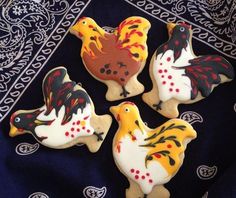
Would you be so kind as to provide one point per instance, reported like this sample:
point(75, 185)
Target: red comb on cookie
point(185, 25)
point(128, 102)
point(81, 19)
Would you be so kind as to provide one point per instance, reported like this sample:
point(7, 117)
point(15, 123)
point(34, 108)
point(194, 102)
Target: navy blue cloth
point(34, 39)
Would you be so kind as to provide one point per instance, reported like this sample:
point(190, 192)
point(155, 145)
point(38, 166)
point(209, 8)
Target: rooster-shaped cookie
point(179, 76)
point(115, 58)
point(148, 157)
point(67, 118)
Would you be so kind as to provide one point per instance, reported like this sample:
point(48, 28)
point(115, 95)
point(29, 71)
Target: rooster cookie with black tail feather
point(116, 58)
point(67, 118)
point(149, 158)
point(179, 76)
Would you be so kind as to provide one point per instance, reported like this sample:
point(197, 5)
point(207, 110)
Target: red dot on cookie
point(214, 76)
point(160, 63)
point(137, 171)
point(169, 77)
point(160, 71)
point(81, 100)
point(165, 70)
point(162, 76)
point(170, 89)
point(169, 146)
point(88, 131)
point(168, 59)
point(83, 127)
point(78, 122)
point(157, 155)
point(172, 84)
point(72, 129)
point(136, 177)
point(177, 90)
point(150, 180)
point(132, 170)
point(176, 42)
point(72, 136)
point(164, 82)
point(148, 174)
point(29, 116)
point(73, 123)
point(78, 130)
point(143, 177)
point(66, 133)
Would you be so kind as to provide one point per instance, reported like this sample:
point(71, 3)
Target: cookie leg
point(99, 123)
point(159, 192)
point(124, 92)
point(158, 106)
point(134, 191)
point(98, 135)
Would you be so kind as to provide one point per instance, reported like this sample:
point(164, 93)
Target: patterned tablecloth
point(34, 38)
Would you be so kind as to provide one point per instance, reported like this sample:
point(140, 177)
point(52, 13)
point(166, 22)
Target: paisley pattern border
point(30, 72)
point(200, 33)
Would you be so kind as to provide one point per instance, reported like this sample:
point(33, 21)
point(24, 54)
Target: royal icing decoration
point(181, 77)
point(66, 116)
point(118, 57)
point(148, 157)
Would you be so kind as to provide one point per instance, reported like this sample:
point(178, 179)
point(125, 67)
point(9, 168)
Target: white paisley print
point(30, 31)
point(213, 21)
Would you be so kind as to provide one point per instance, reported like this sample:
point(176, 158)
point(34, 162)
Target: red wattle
point(118, 117)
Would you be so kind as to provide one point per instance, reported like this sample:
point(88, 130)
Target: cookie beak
point(115, 111)
point(75, 30)
point(13, 131)
point(170, 27)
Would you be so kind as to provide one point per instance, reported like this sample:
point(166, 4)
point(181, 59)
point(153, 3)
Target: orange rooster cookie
point(116, 58)
point(67, 118)
point(148, 157)
point(178, 76)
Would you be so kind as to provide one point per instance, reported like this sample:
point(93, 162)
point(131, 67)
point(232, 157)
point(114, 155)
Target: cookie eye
point(182, 29)
point(17, 119)
point(126, 109)
point(84, 22)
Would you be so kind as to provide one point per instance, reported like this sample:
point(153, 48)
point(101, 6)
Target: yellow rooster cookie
point(148, 157)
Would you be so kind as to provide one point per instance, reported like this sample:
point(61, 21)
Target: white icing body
point(131, 160)
point(58, 134)
point(172, 82)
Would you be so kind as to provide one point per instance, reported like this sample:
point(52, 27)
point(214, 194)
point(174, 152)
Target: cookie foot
point(125, 92)
point(158, 106)
point(99, 136)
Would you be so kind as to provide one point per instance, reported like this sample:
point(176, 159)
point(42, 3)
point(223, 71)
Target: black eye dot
point(182, 29)
point(127, 109)
point(17, 119)
point(84, 22)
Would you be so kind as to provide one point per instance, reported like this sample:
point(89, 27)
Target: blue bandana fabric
point(34, 39)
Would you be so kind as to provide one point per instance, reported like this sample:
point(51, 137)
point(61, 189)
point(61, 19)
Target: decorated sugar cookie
point(148, 157)
point(67, 118)
point(116, 58)
point(178, 76)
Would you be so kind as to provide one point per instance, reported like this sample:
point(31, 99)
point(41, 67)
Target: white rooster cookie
point(178, 76)
point(67, 118)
